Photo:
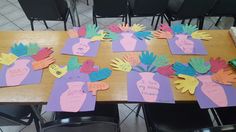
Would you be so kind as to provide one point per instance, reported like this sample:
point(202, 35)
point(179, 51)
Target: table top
point(220, 46)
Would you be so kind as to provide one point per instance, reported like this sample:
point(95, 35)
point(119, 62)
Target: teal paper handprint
point(161, 61)
point(111, 35)
point(177, 28)
point(33, 49)
point(180, 68)
point(189, 29)
point(199, 65)
point(143, 35)
point(91, 31)
point(147, 57)
point(19, 49)
point(73, 63)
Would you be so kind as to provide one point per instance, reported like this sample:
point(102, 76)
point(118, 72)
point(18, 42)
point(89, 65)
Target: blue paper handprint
point(147, 58)
point(143, 35)
point(183, 69)
point(100, 75)
point(19, 50)
point(177, 28)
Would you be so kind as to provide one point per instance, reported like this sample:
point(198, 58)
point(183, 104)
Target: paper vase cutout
point(70, 94)
point(81, 47)
point(20, 73)
point(149, 87)
point(128, 42)
point(183, 45)
point(210, 94)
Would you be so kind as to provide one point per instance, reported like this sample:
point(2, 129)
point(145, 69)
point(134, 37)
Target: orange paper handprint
point(163, 35)
point(224, 77)
point(132, 58)
point(37, 65)
point(124, 27)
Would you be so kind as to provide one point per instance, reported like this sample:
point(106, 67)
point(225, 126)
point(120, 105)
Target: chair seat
point(227, 115)
point(18, 111)
point(177, 117)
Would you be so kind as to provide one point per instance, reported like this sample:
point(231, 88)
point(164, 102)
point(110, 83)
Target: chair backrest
point(110, 8)
point(195, 8)
point(149, 7)
point(224, 8)
point(44, 9)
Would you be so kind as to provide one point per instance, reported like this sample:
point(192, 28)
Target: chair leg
point(162, 19)
point(123, 18)
point(157, 22)
point(45, 24)
point(65, 25)
point(72, 20)
point(153, 18)
point(126, 19)
point(183, 21)
point(234, 21)
point(190, 20)
point(138, 110)
point(32, 24)
point(201, 23)
point(130, 20)
point(87, 2)
point(218, 20)
point(37, 125)
point(168, 21)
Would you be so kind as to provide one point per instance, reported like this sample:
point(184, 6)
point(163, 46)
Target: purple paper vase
point(60, 86)
point(81, 46)
point(20, 73)
point(149, 87)
point(128, 42)
point(198, 49)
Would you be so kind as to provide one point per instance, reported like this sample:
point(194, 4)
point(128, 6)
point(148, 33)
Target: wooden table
point(222, 45)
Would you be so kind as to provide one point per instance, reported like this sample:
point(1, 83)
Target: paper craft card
point(149, 87)
point(182, 44)
point(70, 93)
point(20, 73)
point(81, 47)
point(128, 42)
point(210, 94)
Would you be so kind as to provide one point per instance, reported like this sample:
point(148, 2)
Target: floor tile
point(83, 19)
point(12, 128)
point(106, 21)
point(4, 3)
point(48, 116)
point(123, 112)
point(30, 128)
point(8, 9)
point(52, 23)
point(15, 15)
point(147, 23)
point(81, 7)
point(13, 1)
point(9, 27)
point(3, 20)
point(88, 13)
point(60, 26)
point(17, 4)
point(131, 105)
point(37, 26)
point(22, 22)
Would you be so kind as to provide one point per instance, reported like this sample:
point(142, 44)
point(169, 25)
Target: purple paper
point(149, 87)
point(20, 73)
point(128, 42)
point(60, 86)
point(193, 46)
point(81, 47)
point(214, 95)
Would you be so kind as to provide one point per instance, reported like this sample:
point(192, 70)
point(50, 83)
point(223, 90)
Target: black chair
point(224, 128)
point(224, 8)
point(188, 9)
point(175, 117)
point(109, 8)
point(144, 8)
point(105, 118)
point(226, 116)
point(53, 10)
point(12, 115)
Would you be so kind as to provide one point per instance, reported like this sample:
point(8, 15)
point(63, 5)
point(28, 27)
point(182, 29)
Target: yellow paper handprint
point(137, 28)
point(121, 65)
point(201, 35)
point(187, 83)
point(100, 37)
point(57, 71)
point(8, 59)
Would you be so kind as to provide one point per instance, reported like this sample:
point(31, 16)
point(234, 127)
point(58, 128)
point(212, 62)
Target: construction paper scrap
point(149, 87)
point(121, 65)
point(20, 73)
point(124, 27)
point(177, 28)
point(200, 65)
point(232, 63)
point(217, 64)
point(33, 49)
point(57, 71)
point(73, 63)
point(161, 61)
point(132, 59)
point(186, 83)
point(19, 49)
point(226, 77)
point(189, 29)
point(128, 42)
point(102, 74)
point(91, 31)
point(42, 54)
point(100, 37)
point(97, 86)
point(147, 58)
point(183, 69)
point(182, 44)
point(210, 94)
point(37, 65)
point(72, 33)
point(114, 28)
point(81, 31)
point(166, 70)
point(166, 28)
point(137, 27)
point(201, 35)
point(88, 67)
point(143, 35)
point(81, 47)
point(70, 94)
point(162, 34)
point(8, 59)
point(111, 35)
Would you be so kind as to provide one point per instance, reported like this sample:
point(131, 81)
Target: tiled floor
point(12, 18)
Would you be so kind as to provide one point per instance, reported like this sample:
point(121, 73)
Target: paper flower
point(200, 65)
point(121, 65)
point(137, 27)
point(92, 30)
point(143, 35)
point(187, 83)
point(189, 29)
point(226, 77)
point(147, 58)
point(7, 59)
point(183, 69)
point(19, 50)
point(33, 49)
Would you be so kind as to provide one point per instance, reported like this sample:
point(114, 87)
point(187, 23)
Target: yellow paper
point(8, 59)
point(99, 38)
point(57, 71)
point(201, 35)
point(121, 65)
point(137, 28)
point(187, 83)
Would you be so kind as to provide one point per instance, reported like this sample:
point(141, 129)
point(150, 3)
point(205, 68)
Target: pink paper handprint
point(88, 67)
point(166, 70)
point(184, 43)
point(82, 47)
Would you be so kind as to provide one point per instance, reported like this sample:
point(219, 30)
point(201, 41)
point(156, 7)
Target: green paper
point(161, 61)
point(189, 29)
point(33, 49)
point(147, 58)
point(233, 63)
point(112, 35)
point(199, 65)
point(91, 31)
point(73, 63)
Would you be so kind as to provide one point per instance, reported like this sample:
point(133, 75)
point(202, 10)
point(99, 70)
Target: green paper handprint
point(92, 30)
point(73, 63)
point(199, 65)
point(189, 29)
point(161, 61)
point(111, 35)
point(33, 49)
point(147, 57)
